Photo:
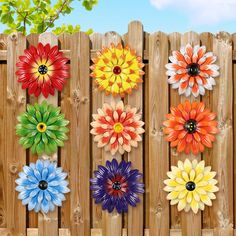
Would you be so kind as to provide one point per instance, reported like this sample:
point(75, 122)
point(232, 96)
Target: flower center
point(117, 70)
point(190, 186)
point(116, 185)
point(41, 127)
point(118, 127)
point(42, 69)
point(191, 126)
point(193, 69)
point(43, 185)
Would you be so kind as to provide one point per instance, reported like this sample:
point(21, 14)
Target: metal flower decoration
point(116, 186)
point(42, 128)
point(192, 70)
point(191, 185)
point(117, 127)
point(42, 70)
point(117, 70)
point(42, 186)
point(190, 127)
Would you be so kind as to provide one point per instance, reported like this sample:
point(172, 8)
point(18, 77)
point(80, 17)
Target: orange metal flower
point(117, 70)
point(190, 127)
point(192, 70)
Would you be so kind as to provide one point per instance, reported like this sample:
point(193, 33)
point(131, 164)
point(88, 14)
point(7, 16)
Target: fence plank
point(135, 215)
point(80, 149)
point(48, 224)
point(234, 130)
point(112, 222)
point(3, 162)
point(175, 43)
point(15, 154)
point(32, 217)
point(65, 152)
point(223, 147)
point(208, 214)
point(158, 147)
point(97, 102)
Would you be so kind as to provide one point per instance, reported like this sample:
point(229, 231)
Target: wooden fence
point(79, 216)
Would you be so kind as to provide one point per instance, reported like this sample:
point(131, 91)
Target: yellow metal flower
point(117, 70)
point(191, 185)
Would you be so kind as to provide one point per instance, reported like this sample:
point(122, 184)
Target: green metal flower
point(42, 128)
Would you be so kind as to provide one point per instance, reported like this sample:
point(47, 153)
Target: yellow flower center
point(43, 69)
point(41, 127)
point(118, 127)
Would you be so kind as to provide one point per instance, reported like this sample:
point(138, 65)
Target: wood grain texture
point(223, 147)
point(32, 217)
point(158, 147)
point(3, 117)
point(111, 223)
point(15, 154)
point(175, 44)
point(65, 152)
point(48, 224)
point(97, 102)
point(135, 214)
point(79, 135)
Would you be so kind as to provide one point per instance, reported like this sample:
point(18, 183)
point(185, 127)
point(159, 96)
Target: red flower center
point(193, 69)
point(191, 126)
point(117, 70)
point(117, 186)
point(43, 69)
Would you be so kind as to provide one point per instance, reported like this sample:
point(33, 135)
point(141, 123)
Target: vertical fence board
point(65, 44)
point(48, 224)
point(80, 149)
point(234, 122)
point(190, 222)
point(97, 101)
point(135, 215)
point(3, 162)
point(32, 217)
point(223, 147)
point(208, 214)
point(112, 223)
point(175, 44)
point(15, 154)
point(158, 147)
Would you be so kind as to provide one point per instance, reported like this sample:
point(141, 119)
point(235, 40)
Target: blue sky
point(164, 15)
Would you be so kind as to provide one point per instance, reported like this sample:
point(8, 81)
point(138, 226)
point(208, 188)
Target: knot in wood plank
point(2, 217)
point(21, 100)
point(14, 36)
point(77, 215)
point(13, 169)
point(11, 96)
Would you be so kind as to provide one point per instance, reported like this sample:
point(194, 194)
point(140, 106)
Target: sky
point(165, 15)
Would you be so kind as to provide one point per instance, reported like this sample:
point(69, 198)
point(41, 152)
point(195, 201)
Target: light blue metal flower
point(42, 186)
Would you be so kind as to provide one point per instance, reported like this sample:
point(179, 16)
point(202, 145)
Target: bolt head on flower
point(191, 185)
point(42, 186)
point(116, 186)
point(117, 127)
point(42, 70)
point(192, 70)
point(190, 127)
point(42, 128)
point(117, 70)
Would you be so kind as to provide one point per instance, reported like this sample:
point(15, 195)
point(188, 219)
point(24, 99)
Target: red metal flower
point(42, 70)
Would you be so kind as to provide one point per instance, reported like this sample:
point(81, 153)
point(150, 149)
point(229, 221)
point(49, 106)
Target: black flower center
point(43, 69)
point(190, 186)
point(116, 185)
point(117, 70)
point(191, 126)
point(43, 185)
point(193, 69)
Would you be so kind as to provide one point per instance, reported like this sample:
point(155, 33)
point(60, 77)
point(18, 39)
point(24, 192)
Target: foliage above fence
point(80, 157)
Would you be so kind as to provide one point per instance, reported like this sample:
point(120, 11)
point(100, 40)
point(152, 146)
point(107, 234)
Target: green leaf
point(38, 116)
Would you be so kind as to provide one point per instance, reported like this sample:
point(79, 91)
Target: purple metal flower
point(116, 185)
